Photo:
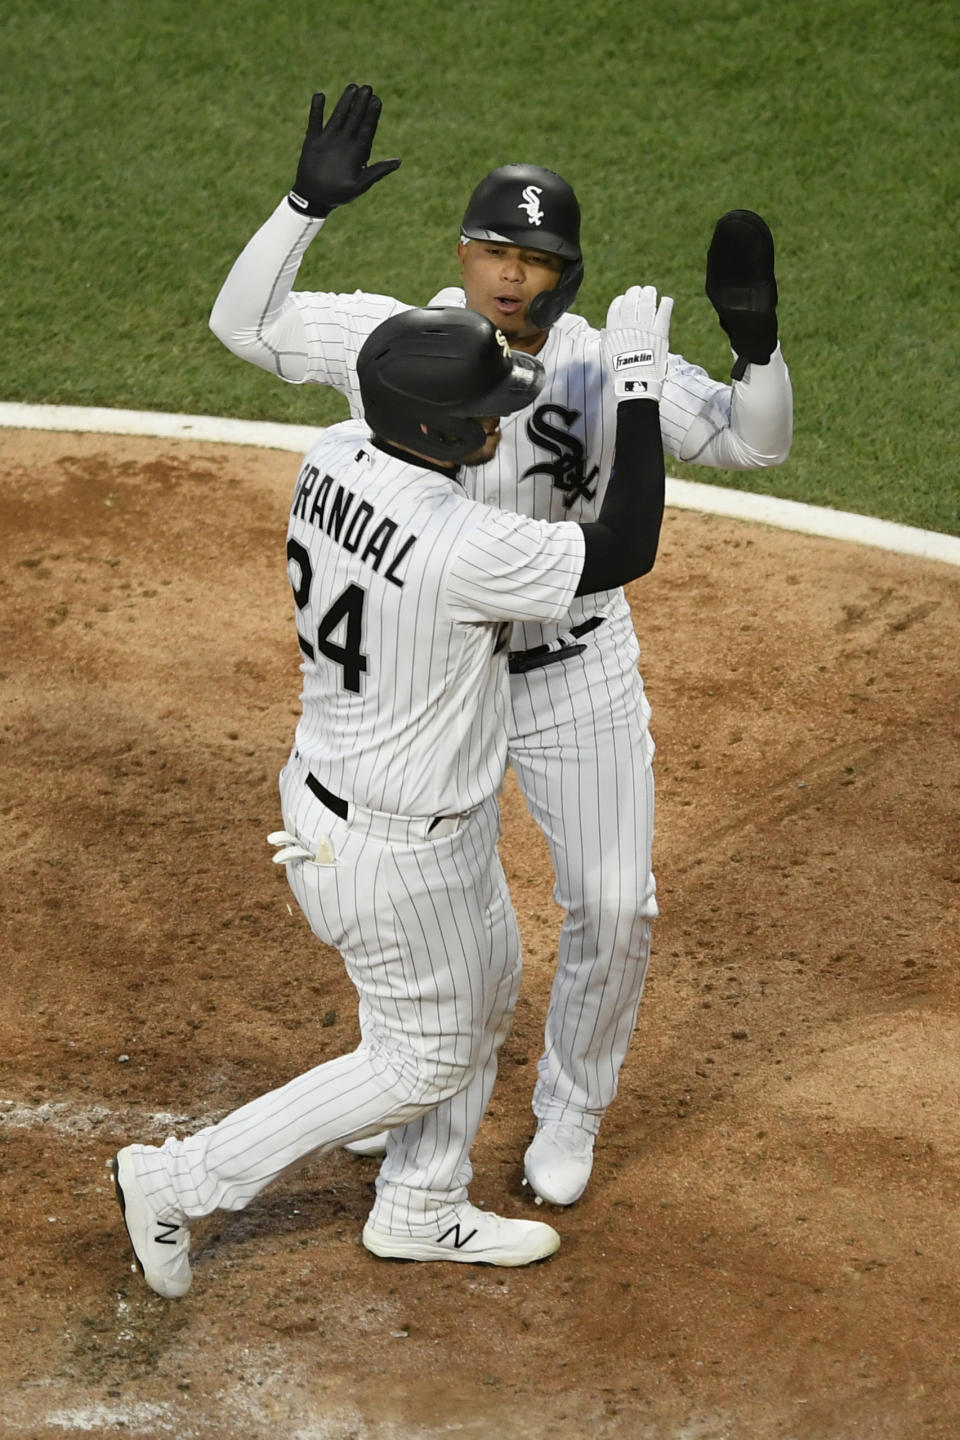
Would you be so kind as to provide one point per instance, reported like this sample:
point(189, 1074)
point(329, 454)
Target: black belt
point(540, 655)
point(326, 797)
point(339, 806)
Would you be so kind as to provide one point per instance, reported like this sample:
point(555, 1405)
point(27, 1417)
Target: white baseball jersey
point(554, 459)
point(579, 739)
point(404, 589)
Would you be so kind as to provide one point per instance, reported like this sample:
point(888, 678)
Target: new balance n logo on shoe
point(458, 1243)
point(169, 1233)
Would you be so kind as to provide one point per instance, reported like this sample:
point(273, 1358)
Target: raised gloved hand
point(333, 167)
point(742, 287)
point(635, 341)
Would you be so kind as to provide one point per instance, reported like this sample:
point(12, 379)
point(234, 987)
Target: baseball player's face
point(499, 282)
point(491, 428)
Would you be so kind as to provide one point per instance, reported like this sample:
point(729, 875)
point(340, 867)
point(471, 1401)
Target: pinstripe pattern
point(588, 779)
point(425, 731)
point(436, 964)
point(425, 926)
point(578, 731)
point(334, 329)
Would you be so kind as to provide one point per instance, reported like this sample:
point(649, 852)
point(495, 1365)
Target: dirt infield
point(770, 1247)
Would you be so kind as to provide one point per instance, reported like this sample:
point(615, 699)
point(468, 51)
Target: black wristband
point(306, 209)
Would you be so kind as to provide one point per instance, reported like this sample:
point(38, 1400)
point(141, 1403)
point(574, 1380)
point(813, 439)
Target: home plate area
point(768, 1248)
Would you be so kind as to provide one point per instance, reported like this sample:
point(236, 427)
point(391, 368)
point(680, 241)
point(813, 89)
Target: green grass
point(141, 144)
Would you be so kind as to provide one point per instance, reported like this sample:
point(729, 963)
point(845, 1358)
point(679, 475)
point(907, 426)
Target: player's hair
point(528, 205)
point(444, 368)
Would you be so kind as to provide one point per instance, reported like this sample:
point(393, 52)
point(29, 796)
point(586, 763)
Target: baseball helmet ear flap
point(547, 307)
point(530, 205)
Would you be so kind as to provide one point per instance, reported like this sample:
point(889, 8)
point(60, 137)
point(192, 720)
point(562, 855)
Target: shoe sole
point(122, 1202)
point(543, 1198)
point(175, 1294)
point(393, 1248)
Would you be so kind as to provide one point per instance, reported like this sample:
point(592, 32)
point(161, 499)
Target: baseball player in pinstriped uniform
point(579, 735)
point(405, 590)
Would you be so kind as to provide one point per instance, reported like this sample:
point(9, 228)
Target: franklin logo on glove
point(636, 357)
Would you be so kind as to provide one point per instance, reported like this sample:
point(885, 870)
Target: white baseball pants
point(581, 749)
point(427, 933)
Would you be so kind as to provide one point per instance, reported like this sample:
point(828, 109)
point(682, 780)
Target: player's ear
point(461, 253)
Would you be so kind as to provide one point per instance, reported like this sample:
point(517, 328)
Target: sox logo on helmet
point(531, 203)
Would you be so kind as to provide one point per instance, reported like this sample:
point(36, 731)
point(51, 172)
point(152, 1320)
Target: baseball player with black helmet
point(405, 590)
point(579, 738)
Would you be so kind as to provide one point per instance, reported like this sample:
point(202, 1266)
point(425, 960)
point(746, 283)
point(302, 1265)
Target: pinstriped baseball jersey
point(579, 739)
point(554, 459)
point(404, 588)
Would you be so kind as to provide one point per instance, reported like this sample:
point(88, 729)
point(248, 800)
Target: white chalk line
point(67, 1119)
point(681, 494)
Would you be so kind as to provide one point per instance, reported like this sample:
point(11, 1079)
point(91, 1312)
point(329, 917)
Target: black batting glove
point(333, 167)
point(742, 287)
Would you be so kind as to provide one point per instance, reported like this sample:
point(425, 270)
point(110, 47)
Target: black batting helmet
point(443, 368)
point(528, 205)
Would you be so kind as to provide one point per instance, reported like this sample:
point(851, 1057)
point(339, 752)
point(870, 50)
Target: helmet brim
point(517, 390)
point(545, 240)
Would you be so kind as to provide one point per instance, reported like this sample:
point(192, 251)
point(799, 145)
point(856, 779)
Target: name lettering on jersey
point(567, 469)
point(332, 509)
point(531, 204)
point(339, 510)
point(357, 528)
point(391, 573)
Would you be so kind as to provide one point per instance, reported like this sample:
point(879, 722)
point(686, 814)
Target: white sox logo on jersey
point(531, 204)
point(567, 469)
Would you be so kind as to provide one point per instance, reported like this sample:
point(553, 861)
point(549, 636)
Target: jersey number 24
point(345, 614)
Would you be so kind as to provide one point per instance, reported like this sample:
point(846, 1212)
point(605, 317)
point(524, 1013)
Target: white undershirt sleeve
point(743, 426)
point(255, 315)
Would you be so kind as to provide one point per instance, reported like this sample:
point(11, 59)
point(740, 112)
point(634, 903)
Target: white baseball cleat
point(472, 1236)
point(160, 1247)
point(558, 1162)
point(375, 1145)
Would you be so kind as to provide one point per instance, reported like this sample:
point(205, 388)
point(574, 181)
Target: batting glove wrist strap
point(635, 343)
point(333, 168)
point(304, 208)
